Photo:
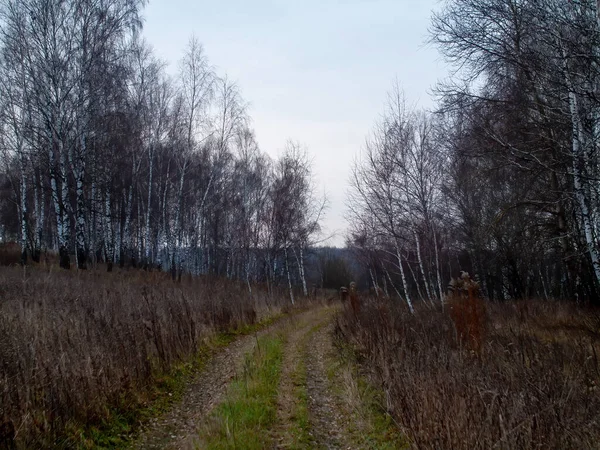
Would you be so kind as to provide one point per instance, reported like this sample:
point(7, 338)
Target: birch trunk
point(578, 152)
point(300, 261)
point(149, 205)
point(289, 278)
point(402, 275)
point(55, 199)
point(248, 276)
point(175, 261)
point(374, 282)
point(81, 252)
point(65, 260)
point(23, 207)
point(421, 267)
point(125, 251)
point(437, 267)
point(40, 215)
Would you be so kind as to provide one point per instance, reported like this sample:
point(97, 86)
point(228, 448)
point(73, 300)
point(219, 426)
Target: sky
point(316, 72)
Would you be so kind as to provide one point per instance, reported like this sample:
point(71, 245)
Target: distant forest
point(106, 159)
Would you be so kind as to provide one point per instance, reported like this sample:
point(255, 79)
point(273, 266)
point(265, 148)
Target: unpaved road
point(306, 387)
point(178, 428)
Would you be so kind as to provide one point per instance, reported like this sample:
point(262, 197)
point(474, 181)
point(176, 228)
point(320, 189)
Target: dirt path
point(329, 429)
point(308, 411)
point(292, 420)
point(177, 429)
point(317, 396)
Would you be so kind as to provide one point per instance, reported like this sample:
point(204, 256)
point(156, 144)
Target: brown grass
point(533, 384)
point(73, 345)
point(10, 254)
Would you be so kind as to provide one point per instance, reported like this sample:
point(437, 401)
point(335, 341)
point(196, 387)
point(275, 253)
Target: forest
point(502, 179)
point(161, 271)
point(108, 159)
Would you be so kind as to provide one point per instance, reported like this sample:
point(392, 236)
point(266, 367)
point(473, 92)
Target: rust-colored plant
point(467, 310)
point(354, 299)
point(533, 385)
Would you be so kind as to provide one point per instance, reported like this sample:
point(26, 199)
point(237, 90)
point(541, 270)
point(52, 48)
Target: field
point(511, 376)
point(84, 352)
point(96, 360)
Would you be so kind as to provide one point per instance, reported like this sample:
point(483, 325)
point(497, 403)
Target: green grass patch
point(299, 428)
point(244, 419)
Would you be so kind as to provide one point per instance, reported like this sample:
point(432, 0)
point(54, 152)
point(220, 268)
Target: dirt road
point(317, 396)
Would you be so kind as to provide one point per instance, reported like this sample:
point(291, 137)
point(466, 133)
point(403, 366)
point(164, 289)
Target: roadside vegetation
point(507, 375)
point(362, 402)
point(93, 354)
point(244, 419)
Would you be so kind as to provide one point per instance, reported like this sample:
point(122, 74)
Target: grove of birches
point(110, 158)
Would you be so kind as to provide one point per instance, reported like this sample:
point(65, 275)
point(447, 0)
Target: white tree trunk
point(80, 216)
point(149, 204)
point(578, 154)
point(300, 261)
point(56, 200)
point(127, 226)
point(425, 280)
point(40, 213)
point(108, 231)
point(64, 193)
point(374, 281)
point(23, 207)
point(248, 276)
point(178, 228)
point(437, 267)
point(404, 282)
point(289, 278)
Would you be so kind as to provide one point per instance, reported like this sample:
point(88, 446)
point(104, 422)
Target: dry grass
point(10, 254)
point(74, 346)
point(532, 383)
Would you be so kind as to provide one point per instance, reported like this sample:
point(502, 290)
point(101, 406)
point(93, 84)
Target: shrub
point(467, 311)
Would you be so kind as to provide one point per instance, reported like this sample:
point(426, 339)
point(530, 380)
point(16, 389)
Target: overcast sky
point(313, 71)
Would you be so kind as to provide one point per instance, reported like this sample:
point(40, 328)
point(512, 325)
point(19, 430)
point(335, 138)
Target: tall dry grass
point(74, 345)
point(530, 381)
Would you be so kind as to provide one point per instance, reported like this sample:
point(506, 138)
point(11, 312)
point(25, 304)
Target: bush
point(10, 254)
point(467, 310)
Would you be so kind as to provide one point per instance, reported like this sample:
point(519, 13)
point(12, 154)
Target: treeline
point(106, 158)
point(503, 179)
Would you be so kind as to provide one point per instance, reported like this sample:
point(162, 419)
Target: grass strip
point(244, 419)
point(299, 426)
